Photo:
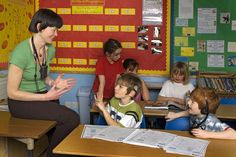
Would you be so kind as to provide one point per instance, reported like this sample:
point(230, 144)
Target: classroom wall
point(71, 98)
point(15, 16)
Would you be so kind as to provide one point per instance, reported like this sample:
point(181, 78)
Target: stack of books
point(169, 105)
point(219, 84)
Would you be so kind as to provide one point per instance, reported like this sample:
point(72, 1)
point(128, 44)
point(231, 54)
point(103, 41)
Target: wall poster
point(88, 23)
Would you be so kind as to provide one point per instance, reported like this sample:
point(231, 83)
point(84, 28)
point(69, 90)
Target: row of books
point(169, 142)
point(220, 84)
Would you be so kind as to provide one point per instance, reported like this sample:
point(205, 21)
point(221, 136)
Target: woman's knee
point(72, 118)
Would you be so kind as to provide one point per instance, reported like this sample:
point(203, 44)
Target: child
point(108, 69)
point(131, 66)
point(203, 104)
point(176, 88)
point(121, 109)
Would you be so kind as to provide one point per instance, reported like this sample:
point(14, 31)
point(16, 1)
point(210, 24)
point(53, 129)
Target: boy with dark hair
point(131, 66)
point(122, 110)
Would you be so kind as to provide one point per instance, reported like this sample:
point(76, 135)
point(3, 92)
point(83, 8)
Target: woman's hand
point(54, 94)
point(61, 83)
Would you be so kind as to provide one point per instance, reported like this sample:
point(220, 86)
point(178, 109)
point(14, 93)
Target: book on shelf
point(201, 82)
point(220, 84)
point(224, 84)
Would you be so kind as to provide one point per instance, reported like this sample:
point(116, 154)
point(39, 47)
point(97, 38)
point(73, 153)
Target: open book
point(169, 105)
point(169, 142)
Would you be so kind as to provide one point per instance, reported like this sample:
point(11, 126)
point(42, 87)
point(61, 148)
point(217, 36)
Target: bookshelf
point(224, 84)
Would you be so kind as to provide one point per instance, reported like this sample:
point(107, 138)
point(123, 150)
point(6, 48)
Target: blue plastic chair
point(180, 124)
point(143, 123)
point(101, 121)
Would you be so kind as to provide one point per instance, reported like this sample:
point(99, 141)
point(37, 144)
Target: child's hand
point(200, 133)
point(171, 116)
point(149, 102)
point(101, 105)
point(99, 96)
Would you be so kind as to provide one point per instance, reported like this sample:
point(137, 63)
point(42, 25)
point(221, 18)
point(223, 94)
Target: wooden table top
point(74, 145)
point(23, 128)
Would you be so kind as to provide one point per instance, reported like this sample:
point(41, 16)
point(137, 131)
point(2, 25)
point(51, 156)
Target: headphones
point(205, 109)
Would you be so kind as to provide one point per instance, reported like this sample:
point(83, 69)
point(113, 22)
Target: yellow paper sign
point(128, 45)
point(95, 28)
point(54, 61)
point(80, 44)
point(64, 60)
point(92, 61)
point(95, 44)
point(187, 51)
point(64, 44)
point(181, 41)
point(87, 9)
point(111, 11)
point(79, 28)
point(127, 11)
point(127, 28)
point(65, 28)
point(64, 10)
point(109, 28)
point(189, 31)
point(80, 61)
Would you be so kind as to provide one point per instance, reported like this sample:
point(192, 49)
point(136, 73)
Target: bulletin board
point(89, 23)
point(207, 39)
point(15, 16)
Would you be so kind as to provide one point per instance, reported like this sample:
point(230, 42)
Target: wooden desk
point(24, 130)
point(226, 112)
point(74, 145)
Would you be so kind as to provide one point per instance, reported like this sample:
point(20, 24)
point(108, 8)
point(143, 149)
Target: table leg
point(30, 153)
point(30, 145)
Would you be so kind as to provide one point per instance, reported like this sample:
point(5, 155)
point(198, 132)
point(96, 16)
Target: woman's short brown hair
point(46, 18)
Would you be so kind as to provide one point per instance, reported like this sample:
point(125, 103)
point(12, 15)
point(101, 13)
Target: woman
point(28, 79)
